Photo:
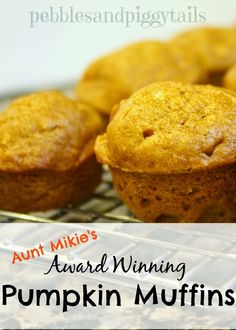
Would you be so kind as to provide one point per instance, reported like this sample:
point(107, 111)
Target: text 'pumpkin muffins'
point(171, 148)
point(46, 152)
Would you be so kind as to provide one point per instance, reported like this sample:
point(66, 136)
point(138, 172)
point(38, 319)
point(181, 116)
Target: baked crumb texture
point(171, 148)
point(46, 152)
point(202, 196)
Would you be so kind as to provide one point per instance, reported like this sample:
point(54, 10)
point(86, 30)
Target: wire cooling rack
point(106, 206)
point(103, 206)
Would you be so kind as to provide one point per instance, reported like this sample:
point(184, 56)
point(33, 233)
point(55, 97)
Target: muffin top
point(216, 47)
point(136, 65)
point(171, 127)
point(117, 75)
point(193, 68)
point(46, 130)
point(229, 80)
point(100, 94)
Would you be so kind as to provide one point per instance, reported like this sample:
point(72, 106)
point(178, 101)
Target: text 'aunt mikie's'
point(122, 264)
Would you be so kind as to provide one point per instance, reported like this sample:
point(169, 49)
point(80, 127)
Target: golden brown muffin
point(229, 80)
point(46, 152)
point(100, 94)
point(171, 148)
point(190, 63)
point(215, 47)
point(116, 76)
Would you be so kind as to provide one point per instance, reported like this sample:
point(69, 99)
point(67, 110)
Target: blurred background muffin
point(229, 80)
point(214, 46)
point(200, 55)
point(117, 75)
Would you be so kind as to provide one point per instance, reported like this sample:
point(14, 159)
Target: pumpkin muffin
point(171, 149)
point(215, 47)
point(116, 76)
point(46, 152)
point(100, 94)
point(187, 59)
point(230, 78)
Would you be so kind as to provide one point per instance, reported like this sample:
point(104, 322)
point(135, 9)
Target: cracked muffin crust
point(46, 152)
point(169, 139)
